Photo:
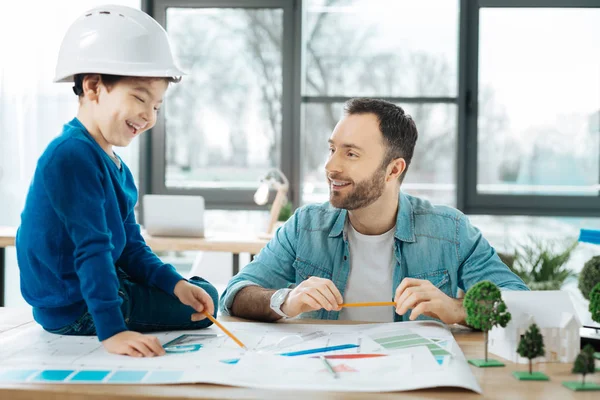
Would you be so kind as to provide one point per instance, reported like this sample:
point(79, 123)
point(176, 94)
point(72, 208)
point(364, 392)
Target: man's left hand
point(422, 297)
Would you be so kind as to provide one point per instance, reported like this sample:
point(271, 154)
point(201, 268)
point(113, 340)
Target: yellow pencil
point(369, 304)
point(217, 323)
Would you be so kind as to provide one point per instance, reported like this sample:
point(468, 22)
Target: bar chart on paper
point(402, 339)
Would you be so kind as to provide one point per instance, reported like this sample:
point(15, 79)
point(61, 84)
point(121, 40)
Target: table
point(497, 383)
point(7, 239)
point(229, 243)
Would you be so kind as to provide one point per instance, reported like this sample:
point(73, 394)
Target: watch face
point(278, 298)
point(277, 301)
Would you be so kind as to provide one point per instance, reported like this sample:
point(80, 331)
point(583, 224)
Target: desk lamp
point(274, 179)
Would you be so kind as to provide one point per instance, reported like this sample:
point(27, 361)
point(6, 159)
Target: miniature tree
point(595, 308)
point(589, 276)
point(485, 309)
point(531, 346)
point(584, 364)
point(595, 303)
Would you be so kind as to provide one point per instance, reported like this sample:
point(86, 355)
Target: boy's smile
point(135, 127)
point(115, 114)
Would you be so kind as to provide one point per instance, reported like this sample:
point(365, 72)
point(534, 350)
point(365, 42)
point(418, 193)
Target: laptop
point(174, 215)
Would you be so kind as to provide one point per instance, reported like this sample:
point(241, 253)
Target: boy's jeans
point(147, 309)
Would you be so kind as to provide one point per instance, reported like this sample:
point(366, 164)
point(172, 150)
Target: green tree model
point(595, 303)
point(595, 309)
point(531, 345)
point(589, 276)
point(485, 309)
point(584, 363)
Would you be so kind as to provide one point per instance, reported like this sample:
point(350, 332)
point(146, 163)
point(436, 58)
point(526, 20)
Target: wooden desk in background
point(229, 243)
point(7, 239)
point(497, 383)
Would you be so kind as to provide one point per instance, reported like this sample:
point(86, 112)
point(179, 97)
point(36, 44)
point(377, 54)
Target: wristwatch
point(277, 300)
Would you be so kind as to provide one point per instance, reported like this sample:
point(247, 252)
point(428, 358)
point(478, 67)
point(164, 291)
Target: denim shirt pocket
point(304, 270)
point(439, 278)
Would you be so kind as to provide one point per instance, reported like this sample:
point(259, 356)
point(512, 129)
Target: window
point(399, 51)
point(222, 127)
point(544, 110)
point(537, 127)
point(226, 118)
point(504, 94)
point(384, 48)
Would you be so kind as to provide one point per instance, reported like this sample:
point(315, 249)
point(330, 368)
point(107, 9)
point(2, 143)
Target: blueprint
point(368, 357)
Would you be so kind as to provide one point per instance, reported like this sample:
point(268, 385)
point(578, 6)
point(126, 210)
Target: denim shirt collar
point(405, 221)
point(338, 227)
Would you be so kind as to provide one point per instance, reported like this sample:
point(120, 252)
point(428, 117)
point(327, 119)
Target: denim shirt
point(436, 243)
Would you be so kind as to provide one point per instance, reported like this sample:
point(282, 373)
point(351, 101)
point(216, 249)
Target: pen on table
point(369, 304)
point(319, 350)
point(329, 367)
point(231, 335)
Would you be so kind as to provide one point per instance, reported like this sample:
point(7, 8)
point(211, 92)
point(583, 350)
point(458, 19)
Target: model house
point(554, 314)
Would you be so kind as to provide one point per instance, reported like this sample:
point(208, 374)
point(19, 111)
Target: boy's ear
point(91, 87)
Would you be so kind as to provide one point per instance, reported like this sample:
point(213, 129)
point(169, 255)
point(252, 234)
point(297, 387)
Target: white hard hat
point(116, 40)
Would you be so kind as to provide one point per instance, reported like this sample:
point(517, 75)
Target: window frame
point(469, 200)
point(152, 158)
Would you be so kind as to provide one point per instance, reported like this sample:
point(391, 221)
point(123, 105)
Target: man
point(370, 242)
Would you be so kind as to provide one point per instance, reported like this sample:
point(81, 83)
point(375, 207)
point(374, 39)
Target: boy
point(85, 267)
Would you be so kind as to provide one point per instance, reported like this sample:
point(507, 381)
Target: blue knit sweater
point(77, 227)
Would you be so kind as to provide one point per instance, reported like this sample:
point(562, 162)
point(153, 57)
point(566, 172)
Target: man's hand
point(424, 298)
point(312, 294)
point(195, 297)
point(133, 344)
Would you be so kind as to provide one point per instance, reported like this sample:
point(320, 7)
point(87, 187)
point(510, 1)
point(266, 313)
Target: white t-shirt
point(371, 272)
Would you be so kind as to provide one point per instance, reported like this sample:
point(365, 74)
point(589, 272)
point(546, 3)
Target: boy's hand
point(133, 344)
point(195, 297)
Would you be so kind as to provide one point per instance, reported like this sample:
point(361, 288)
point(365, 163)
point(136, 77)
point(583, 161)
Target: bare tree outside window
point(223, 122)
point(353, 49)
point(546, 139)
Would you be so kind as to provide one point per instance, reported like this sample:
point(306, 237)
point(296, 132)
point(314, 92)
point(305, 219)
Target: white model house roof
point(549, 308)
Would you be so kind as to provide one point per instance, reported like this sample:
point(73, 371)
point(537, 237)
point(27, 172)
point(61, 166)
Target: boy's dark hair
point(108, 81)
point(398, 129)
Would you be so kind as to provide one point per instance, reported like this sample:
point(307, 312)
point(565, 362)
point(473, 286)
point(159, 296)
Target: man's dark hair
point(398, 128)
point(108, 81)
